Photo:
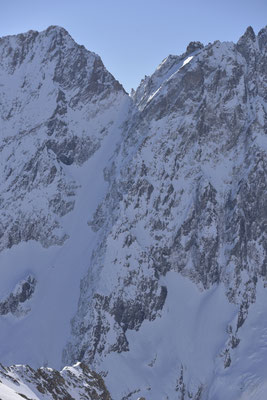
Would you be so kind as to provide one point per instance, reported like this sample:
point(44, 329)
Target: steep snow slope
point(157, 201)
point(190, 181)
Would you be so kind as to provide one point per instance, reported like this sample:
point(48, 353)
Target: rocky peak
point(51, 118)
point(193, 46)
point(52, 32)
point(248, 35)
point(57, 30)
point(168, 67)
point(247, 44)
point(72, 383)
point(54, 50)
point(262, 38)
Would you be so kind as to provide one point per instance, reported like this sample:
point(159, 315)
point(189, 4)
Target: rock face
point(72, 383)
point(163, 199)
point(57, 103)
point(60, 118)
point(16, 300)
point(188, 188)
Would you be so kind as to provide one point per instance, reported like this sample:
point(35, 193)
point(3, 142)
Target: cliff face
point(60, 118)
point(162, 197)
point(57, 103)
point(188, 188)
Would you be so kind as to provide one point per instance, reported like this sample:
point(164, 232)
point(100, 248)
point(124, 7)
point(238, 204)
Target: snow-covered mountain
point(60, 120)
point(155, 202)
point(72, 383)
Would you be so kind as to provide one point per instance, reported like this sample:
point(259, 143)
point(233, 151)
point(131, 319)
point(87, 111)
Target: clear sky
point(133, 36)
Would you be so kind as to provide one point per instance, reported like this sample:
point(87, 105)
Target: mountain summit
point(133, 228)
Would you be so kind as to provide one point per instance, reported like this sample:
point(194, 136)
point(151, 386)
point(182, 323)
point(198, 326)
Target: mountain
point(72, 383)
point(156, 202)
point(61, 112)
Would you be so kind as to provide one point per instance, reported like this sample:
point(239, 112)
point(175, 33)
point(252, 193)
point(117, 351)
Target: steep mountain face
point(72, 383)
point(60, 118)
point(57, 103)
point(158, 202)
point(190, 181)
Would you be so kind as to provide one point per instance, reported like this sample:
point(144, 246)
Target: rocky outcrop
point(72, 383)
point(16, 302)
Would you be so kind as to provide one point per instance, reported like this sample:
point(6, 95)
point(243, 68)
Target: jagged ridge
point(72, 383)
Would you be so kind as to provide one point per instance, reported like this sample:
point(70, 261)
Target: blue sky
point(133, 36)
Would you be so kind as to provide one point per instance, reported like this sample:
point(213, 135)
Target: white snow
point(191, 332)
